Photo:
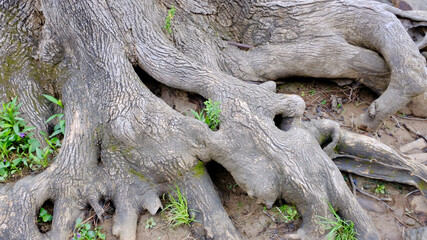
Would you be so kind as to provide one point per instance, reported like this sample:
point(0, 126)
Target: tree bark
point(124, 143)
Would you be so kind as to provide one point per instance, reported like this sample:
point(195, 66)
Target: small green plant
point(323, 102)
point(82, 231)
point(209, 114)
point(199, 116)
point(44, 216)
point(288, 213)
point(60, 127)
point(169, 18)
point(312, 92)
point(401, 114)
point(177, 212)
point(15, 141)
point(18, 148)
point(380, 189)
point(302, 94)
point(232, 186)
point(339, 229)
point(150, 223)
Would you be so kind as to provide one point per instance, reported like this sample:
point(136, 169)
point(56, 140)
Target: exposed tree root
point(367, 157)
point(125, 144)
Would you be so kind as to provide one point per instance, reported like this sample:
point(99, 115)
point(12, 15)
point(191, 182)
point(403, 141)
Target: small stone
point(319, 114)
point(409, 221)
point(319, 109)
point(418, 203)
point(416, 234)
point(371, 205)
point(399, 212)
point(310, 116)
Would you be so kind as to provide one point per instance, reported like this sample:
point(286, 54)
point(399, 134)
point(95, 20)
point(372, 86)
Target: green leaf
point(87, 226)
point(34, 144)
point(47, 218)
point(42, 212)
point(101, 235)
point(27, 129)
point(91, 234)
point(62, 124)
point(17, 161)
point(5, 125)
point(78, 221)
point(51, 118)
point(16, 128)
point(53, 99)
point(39, 153)
point(55, 133)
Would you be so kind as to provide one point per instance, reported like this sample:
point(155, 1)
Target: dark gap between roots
point(178, 100)
point(417, 33)
point(326, 141)
point(231, 195)
point(109, 211)
point(91, 218)
point(223, 180)
point(99, 154)
point(45, 224)
point(286, 226)
point(283, 123)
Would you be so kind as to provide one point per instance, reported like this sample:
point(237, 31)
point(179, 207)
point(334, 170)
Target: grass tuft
point(177, 212)
point(339, 229)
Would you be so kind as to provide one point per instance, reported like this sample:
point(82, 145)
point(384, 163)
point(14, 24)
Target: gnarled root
point(367, 156)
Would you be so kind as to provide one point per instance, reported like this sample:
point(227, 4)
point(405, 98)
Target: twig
point(311, 102)
point(270, 216)
point(397, 122)
point(189, 237)
point(407, 195)
point(352, 184)
point(382, 201)
point(409, 215)
point(407, 211)
point(249, 215)
point(376, 198)
point(414, 131)
point(414, 118)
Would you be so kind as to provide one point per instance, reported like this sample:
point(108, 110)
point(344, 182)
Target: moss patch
point(138, 174)
point(199, 169)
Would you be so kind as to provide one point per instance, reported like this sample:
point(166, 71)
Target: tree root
point(368, 157)
point(125, 144)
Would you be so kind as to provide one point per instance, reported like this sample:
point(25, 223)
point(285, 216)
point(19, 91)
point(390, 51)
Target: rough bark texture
point(125, 144)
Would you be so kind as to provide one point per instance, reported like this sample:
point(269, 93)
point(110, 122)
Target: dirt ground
point(407, 208)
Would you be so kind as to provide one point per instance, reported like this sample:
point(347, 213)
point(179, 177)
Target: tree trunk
point(124, 143)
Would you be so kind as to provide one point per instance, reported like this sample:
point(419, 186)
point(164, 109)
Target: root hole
point(108, 207)
point(326, 141)
point(99, 155)
point(222, 179)
point(44, 216)
point(283, 123)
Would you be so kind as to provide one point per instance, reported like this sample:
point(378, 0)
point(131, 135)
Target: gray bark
point(125, 144)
